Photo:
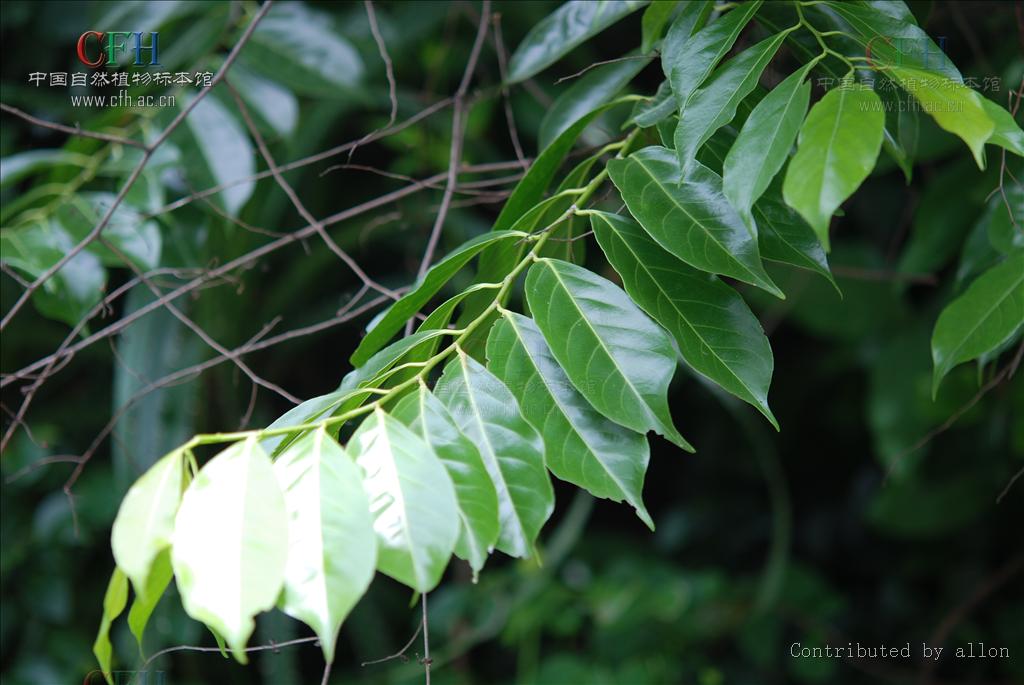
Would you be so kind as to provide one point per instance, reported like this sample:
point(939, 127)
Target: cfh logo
point(100, 48)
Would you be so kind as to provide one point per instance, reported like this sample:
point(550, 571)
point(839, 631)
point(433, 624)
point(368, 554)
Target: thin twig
point(455, 151)
point(303, 162)
point(243, 260)
point(426, 639)
point(400, 654)
point(73, 130)
point(513, 133)
point(587, 68)
point(274, 646)
point(389, 70)
point(136, 172)
point(317, 226)
point(1006, 373)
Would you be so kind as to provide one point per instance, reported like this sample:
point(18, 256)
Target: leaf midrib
point(700, 337)
point(565, 415)
point(710, 236)
point(995, 305)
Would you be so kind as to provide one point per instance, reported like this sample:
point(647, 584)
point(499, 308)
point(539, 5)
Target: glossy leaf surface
point(477, 499)
point(620, 360)
point(692, 219)
point(488, 414)
point(988, 313)
point(717, 333)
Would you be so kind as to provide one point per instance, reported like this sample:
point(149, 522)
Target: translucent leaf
point(837, 149)
point(332, 549)
point(230, 543)
point(580, 445)
point(620, 360)
point(477, 499)
point(1007, 132)
point(562, 30)
point(412, 501)
point(114, 602)
point(488, 414)
point(145, 522)
point(717, 333)
point(954, 107)
point(983, 318)
point(692, 220)
point(145, 602)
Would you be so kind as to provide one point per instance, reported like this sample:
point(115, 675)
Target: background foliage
point(762, 538)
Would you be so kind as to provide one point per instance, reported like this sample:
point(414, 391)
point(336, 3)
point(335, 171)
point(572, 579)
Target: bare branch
point(73, 130)
point(513, 132)
point(136, 172)
point(455, 152)
point(297, 203)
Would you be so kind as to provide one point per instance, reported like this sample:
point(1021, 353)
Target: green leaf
point(837, 148)
point(562, 30)
point(153, 590)
point(15, 167)
point(477, 499)
point(412, 501)
point(1006, 218)
point(230, 543)
point(488, 414)
point(954, 107)
point(332, 549)
point(939, 226)
point(717, 334)
point(564, 240)
point(763, 144)
point(650, 112)
point(620, 360)
point(273, 106)
point(692, 220)
point(990, 311)
point(890, 35)
point(415, 299)
point(217, 151)
point(653, 22)
point(113, 604)
point(690, 18)
point(590, 91)
point(784, 237)
point(1006, 132)
point(71, 292)
point(714, 105)
point(688, 62)
point(581, 446)
point(145, 521)
point(300, 48)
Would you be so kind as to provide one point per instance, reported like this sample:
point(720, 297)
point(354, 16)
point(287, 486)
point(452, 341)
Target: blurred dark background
point(763, 539)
